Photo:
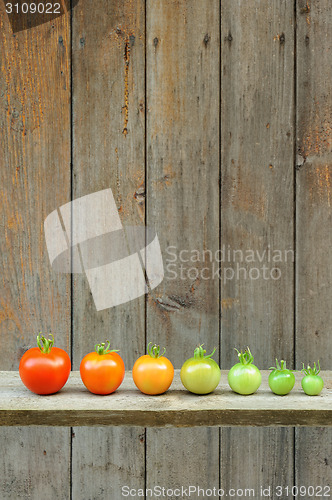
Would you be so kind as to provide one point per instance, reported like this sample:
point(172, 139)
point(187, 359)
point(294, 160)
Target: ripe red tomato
point(44, 369)
point(102, 371)
point(153, 373)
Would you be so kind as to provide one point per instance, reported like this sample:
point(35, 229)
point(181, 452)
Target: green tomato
point(312, 383)
point(281, 380)
point(244, 377)
point(200, 374)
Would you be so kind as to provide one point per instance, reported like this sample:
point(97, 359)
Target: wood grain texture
point(313, 204)
point(182, 53)
point(313, 220)
point(257, 107)
point(179, 128)
point(74, 405)
point(108, 461)
point(242, 452)
point(34, 180)
point(35, 463)
point(165, 444)
point(182, 170)
point(313, 457)
point(257, 115)
point(108, 152)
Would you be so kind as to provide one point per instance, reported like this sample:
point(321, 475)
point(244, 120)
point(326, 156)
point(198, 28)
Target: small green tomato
point(281, 379)
point(312, 383)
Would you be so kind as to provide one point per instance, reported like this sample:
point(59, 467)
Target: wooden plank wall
point(313, 217)
point(108, 151)
point(183, 206)
point(211, 122)
point(257, 208)
point(34, 180)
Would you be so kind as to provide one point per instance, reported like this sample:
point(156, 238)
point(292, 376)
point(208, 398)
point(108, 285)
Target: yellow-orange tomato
point(153, 373)
point(102, 371)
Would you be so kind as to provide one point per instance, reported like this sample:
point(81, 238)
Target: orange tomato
point(153, 373)
point(102, 371)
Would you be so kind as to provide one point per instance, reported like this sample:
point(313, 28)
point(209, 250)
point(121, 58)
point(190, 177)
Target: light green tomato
point(312, 383)
point(200, 374)
point(244, 377)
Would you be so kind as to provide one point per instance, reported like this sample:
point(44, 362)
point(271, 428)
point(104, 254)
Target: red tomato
point(102, 371)
point(153, 373)
point(45, 369)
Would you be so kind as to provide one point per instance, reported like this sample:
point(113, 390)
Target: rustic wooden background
point(212, 122)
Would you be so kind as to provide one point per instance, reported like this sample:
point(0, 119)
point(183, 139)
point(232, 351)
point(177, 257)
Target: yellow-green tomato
point(200, 374)
point(244, 377)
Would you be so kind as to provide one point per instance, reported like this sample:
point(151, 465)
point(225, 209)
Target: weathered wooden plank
point(257, 114)
point(313, 220)
point(172, 474)
point(313, 459)
point(74, 405)
point(242, 451)
point(183, 195)
point(313, 204)
point(113, 462)
point(183, 206)
point(108, 152)
point(108, 134)
point(34, 180)
point(35, 463)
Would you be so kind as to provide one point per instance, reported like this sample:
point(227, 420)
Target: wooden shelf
point(75, 406)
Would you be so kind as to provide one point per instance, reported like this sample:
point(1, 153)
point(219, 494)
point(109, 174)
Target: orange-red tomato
point(102, 371)
point(153, 373)
point(44, 369)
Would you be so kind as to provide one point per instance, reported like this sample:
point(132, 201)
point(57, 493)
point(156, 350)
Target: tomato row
point(45, 370)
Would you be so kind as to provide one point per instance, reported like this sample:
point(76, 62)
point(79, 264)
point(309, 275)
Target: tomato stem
point(245, 358)
point(280, 367)
point(311, 371)
point(199, 352)
point(45, 345)
point(100, 348)
point(154, 351)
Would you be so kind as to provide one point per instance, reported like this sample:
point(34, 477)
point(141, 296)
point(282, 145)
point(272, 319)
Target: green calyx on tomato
point(44, 369)
point(281, 366)
point(154, 351)
point(245, 358)
point(312, 383)
point(200, 374)
point(311, 371)
point(102, 370)
point(153, 373)
point(45, 345)
point(281, 379)
point(244, 377)
point(199, 353)
point(100, 348)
